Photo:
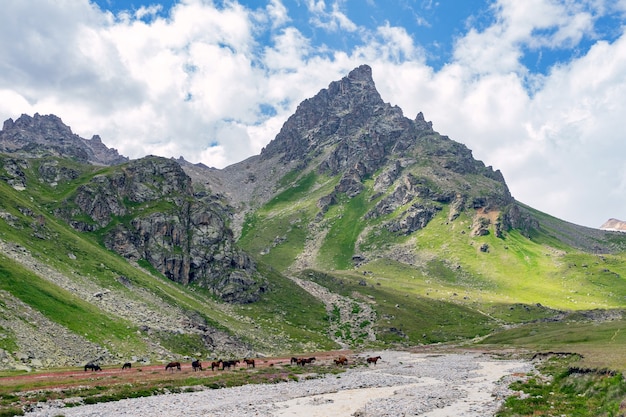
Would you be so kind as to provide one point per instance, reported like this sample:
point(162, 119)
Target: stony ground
point(43, 343)
point(402, 383)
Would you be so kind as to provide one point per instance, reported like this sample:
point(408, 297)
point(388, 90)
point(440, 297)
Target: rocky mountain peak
point(49, 125)
point(47, 135)
point(322, 118)
point(362, 73)
point(349, 116)
point(614, 225)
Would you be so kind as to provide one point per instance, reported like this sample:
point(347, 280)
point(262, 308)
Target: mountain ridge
point(48, 135)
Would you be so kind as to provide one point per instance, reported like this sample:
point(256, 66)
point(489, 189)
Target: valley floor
point(402, 383)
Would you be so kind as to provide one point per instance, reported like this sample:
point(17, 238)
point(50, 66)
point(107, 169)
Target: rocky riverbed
point(401, 383)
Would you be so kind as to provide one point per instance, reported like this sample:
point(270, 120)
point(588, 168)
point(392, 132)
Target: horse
point(342, 360)
point(93, 367)
point(127, 365)
point(373, 359)
point(304, 361)
point(172, 365)
point(228, 364)
point(216, 364)
point(249, 362)
point(196, 365)
point(294, 360)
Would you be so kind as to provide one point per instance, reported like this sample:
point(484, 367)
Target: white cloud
point(277, 13)
point(331, 21)
point(151, 11)
point(524, 24)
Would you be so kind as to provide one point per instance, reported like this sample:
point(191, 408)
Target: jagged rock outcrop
point(39, 136)
point(148, 210)
point(350, 119)
point(522, 220)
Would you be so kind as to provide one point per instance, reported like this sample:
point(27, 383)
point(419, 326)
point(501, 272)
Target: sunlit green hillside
point(56, 271)
point(440, 283)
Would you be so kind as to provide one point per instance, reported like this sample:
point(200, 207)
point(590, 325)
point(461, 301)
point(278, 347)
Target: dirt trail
point(402, 383)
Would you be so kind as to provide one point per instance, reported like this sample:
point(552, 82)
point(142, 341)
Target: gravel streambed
point(401, 384)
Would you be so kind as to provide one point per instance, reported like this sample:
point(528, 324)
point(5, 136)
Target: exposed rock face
point(350, 117)
point(614, 225)
point(47, 135)
point(149, 211)
point(348, 130)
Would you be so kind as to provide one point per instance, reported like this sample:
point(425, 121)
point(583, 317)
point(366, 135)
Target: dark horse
point(294, 360)
point(304, 361)
point(249, 362)
point(127, 365)
point(373, 359)
point(228, 364)
point(216, 364)
point(93, 367)
point(172, 365)
point(196, 365)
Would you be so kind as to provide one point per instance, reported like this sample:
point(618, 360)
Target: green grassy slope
point(28, 224)
point(440, 283)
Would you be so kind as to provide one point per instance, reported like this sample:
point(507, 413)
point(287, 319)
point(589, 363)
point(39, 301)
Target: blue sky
point(433, 24)
point(535, 88)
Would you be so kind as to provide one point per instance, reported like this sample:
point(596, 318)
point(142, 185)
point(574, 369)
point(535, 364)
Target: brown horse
point(172, 365)
point(127, 365)
point(342, 360)
point(216, 364)
point(373, 359)
point(196, 365)
point(249, 362)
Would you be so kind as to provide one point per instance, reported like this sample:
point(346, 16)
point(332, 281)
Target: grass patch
point(292, 312)
point(599, 343)
point(347, 223)
point(405, 319)
point(184, 344)
point(564, 389)
point(62, 307)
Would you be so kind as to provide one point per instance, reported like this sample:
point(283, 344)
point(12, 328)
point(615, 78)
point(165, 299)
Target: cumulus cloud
point(215, 83)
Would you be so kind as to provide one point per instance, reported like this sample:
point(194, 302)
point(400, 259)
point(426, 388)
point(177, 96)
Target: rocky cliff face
point(39, 136)
point(148, 210)
point(348, 130)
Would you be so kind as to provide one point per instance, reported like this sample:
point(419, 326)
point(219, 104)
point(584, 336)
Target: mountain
point(39, 136)
point(355, 227)
point(614, 224)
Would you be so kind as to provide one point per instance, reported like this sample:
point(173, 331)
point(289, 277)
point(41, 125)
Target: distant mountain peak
point(614, 224)
point(42, 135)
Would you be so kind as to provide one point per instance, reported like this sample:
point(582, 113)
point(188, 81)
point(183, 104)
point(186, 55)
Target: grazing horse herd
point(196, 365)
